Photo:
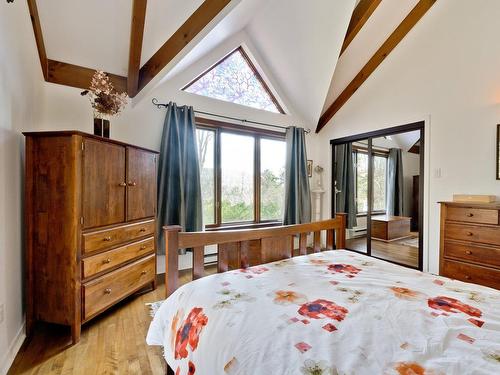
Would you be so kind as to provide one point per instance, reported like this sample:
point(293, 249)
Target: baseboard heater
point(357, 232)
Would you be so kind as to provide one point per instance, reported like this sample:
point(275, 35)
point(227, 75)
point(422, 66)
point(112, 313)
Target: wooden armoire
point(90, 208)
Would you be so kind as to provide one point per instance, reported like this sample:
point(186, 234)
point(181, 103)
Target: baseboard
point(14, 347)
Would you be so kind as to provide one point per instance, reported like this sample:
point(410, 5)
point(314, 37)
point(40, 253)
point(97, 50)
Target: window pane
point(206, 142)
point(379, 187)
point(272, 179)
point(237, 177)
point(361, 182)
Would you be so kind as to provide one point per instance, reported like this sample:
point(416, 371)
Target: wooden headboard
point(246, 247)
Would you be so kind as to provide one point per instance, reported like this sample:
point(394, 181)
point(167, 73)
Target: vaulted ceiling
point(142, 43)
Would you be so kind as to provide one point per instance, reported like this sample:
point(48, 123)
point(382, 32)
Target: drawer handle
point(142, 230)
point(107, 291)
point(106, 239)
point(470, 214)
point(122, 184)
point(106, 261)
point(143, 247)
point(468, 252)
point(470, 234)
point(144, 272)
point(467, 277)
point(132, 183)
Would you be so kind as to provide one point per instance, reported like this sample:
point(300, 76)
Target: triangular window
point(234, 79)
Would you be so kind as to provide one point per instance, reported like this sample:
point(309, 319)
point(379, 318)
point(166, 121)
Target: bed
point(329, 312)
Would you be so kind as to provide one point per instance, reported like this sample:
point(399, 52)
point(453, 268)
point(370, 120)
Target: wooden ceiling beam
point(392, 41)
point(136, 39)
point(78, 76)
point(202, 16)
point(361, 13)
point(64, 73)
point(37, 29)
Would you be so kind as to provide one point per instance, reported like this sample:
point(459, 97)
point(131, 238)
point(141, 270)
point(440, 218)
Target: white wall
point(445, 72)
point(20, 89)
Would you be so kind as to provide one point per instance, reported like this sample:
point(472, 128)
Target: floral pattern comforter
point(334, 312)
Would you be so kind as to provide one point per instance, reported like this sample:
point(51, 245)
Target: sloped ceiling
point(375, 31)
point(90, 33)
point(299, 42)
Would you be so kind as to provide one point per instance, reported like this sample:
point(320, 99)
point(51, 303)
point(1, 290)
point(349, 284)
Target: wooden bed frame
point(244, 248)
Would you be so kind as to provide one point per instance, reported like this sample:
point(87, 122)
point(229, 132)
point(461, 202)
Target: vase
point(101, 127)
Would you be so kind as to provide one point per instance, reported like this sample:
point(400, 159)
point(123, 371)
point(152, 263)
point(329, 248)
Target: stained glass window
point(234, 79)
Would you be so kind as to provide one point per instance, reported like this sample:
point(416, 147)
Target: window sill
point(236, 226)
point(364, 214)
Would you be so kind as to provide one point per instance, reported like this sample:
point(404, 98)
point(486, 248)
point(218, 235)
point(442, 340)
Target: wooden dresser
point(470, 242)
point(90, 206)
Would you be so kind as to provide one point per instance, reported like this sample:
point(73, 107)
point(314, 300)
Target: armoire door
point(141, 180)
point(104, 183)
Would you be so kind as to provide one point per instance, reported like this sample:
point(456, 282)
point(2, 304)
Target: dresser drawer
point(104, 291)
point(471, 273)
point(472, 215)
point(112, 258)
point(471, 233)
point(488, 256)
point(105, 239)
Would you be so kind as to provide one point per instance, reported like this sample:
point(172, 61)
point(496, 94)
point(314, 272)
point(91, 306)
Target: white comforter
point(334, 312)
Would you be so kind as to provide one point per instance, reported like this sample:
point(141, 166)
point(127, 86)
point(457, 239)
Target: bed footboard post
point(340, 232)
point(171, 258)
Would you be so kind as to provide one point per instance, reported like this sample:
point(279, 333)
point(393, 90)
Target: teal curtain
point(179, 189)
point(297, 191)
point(345, 177)
point(395, 183)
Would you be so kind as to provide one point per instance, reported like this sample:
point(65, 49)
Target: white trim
point(14, 347)
point(427, 190)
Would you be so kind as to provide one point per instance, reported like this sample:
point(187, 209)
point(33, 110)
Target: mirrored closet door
point(377, 182)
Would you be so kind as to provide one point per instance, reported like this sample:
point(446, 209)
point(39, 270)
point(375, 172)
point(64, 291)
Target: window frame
point(219, 127)
point(380, 153)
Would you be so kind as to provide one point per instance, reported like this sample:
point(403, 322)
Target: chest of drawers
point(470, 243)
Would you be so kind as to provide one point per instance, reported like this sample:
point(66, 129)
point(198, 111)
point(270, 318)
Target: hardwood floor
point(396, 251)
point(113, 343)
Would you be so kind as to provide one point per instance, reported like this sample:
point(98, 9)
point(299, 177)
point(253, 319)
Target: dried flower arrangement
point(104, 99)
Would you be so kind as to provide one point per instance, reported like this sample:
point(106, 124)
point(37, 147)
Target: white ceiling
point(375, 31)
point(90, 33)
point(298, 42)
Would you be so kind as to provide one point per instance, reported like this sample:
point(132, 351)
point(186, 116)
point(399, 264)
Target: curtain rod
point(162, 105)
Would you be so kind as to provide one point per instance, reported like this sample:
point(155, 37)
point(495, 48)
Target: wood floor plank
point(113, 343)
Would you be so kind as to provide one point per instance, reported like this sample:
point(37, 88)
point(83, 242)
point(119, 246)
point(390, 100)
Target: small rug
point(413, 242)
point(154, 307)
